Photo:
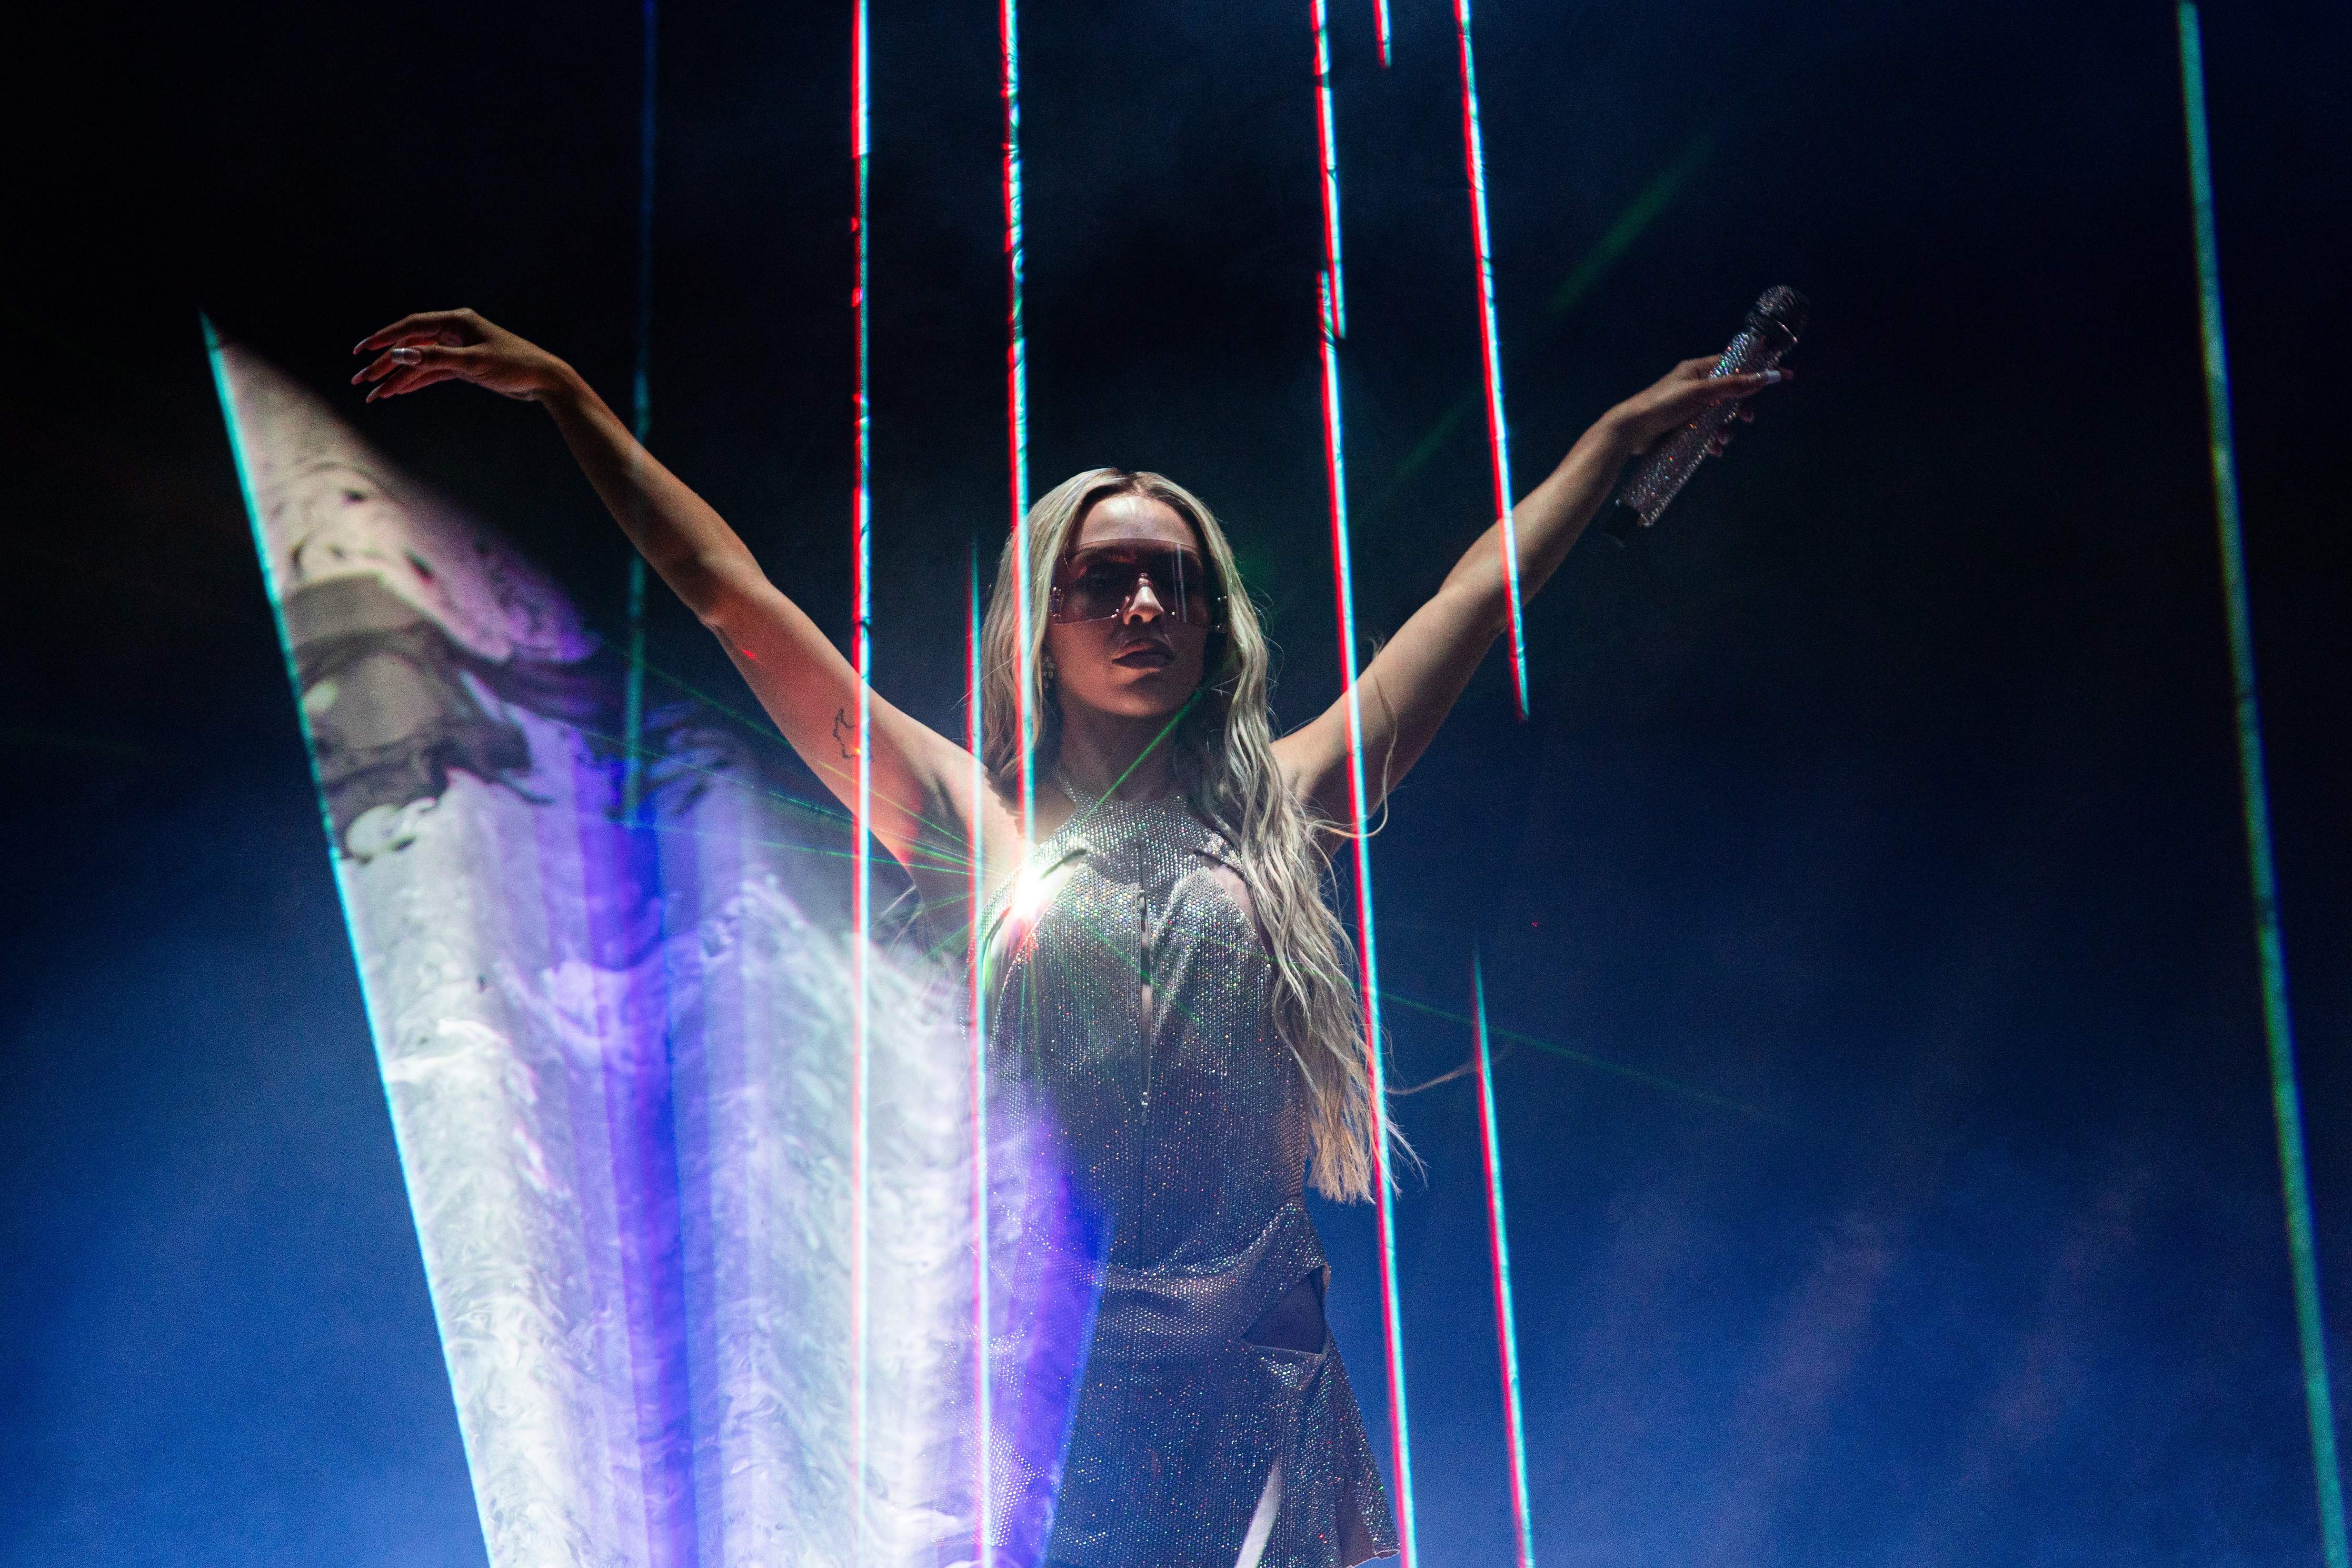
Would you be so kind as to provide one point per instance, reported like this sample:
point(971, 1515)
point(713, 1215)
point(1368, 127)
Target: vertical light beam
point(1499, 436)
point(2286, 1102)
point(1335, 304)
point(1343, 585)
point(861, 639)
point(273, 591)
point(1017, 403)
point(1507, 1332)
point(1380, 29)
point(633, 698)
point(983, 1406)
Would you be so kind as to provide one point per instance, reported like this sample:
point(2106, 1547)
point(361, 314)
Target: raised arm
point(799, 677)
point(1411, 685)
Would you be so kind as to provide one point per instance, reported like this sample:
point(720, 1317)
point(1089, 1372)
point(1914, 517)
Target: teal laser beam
point(861, 886)
point(640, 392)
point(1507, 1332)
point(983, 1480)
point(2286, 1100)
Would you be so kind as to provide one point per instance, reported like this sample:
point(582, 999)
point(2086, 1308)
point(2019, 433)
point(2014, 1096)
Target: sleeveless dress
point(1128, 989)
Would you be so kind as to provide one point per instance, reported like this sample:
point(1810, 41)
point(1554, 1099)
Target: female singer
point(1167, 988)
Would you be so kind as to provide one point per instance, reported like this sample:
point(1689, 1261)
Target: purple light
point(983, 1405)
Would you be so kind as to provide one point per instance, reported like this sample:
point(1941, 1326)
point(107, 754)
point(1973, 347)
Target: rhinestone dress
point(1129, 1015)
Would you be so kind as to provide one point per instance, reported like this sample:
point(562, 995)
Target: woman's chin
point(1141, 694)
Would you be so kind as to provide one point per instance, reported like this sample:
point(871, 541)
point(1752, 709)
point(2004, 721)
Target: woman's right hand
point(431, 346)
point(1681, 395)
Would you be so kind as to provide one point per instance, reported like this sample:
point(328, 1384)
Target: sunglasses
point(1101, 583)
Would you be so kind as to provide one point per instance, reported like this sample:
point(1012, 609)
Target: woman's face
point(1142, 660)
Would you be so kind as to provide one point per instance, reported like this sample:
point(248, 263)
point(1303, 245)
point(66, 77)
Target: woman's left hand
point(1681, 395)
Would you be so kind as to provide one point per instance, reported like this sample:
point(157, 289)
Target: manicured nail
point(1773, 378)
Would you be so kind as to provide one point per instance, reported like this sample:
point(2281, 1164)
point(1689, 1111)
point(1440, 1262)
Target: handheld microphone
point(1770, 331)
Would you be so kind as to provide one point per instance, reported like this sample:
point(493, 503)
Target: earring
point(1045, 669)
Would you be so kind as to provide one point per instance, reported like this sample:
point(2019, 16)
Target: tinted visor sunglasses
point(1103, 582)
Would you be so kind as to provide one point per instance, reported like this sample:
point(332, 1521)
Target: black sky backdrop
point(1902, 1185)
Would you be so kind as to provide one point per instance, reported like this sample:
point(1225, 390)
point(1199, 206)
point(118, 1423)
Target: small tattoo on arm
point(845, 735)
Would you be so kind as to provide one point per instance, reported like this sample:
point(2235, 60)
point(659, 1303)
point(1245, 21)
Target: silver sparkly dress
point(1129, 1015)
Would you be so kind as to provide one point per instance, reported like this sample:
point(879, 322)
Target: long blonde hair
point(1223, 754)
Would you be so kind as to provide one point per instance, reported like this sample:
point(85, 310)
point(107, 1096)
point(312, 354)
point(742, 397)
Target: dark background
point(1907, 1190)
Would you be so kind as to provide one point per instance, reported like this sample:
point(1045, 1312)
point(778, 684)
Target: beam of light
point(1380, 29)
point(634, 694)
point(1016, 405)
point(1601, 1063)
point(1611, 248)
point(1344, 589)
point(1498, 447)
point(243, 465)
point(1507, 1334)
point(2286, 1102)
point(765, 731)
point(983, 1413)
point(861, 897)
point(1655, 197)
point(1335, 291)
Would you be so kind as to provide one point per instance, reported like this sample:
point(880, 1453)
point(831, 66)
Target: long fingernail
point(1773, 378)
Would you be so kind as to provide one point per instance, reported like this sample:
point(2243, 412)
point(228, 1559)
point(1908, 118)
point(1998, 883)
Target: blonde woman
point(1167, 989)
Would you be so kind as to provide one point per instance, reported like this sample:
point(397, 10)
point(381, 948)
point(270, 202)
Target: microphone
point(1770, 331)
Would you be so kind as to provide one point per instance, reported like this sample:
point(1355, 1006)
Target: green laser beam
point(1654, 199)
point(2286, 1100)
point(767, 734)
point(1598, 1063)
point(937, 859)
point(15, 738)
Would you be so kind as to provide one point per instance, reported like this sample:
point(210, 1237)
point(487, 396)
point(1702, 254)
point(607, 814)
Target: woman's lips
point(1146, 655)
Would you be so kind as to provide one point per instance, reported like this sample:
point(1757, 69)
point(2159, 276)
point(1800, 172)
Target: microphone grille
point(1786, 309)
